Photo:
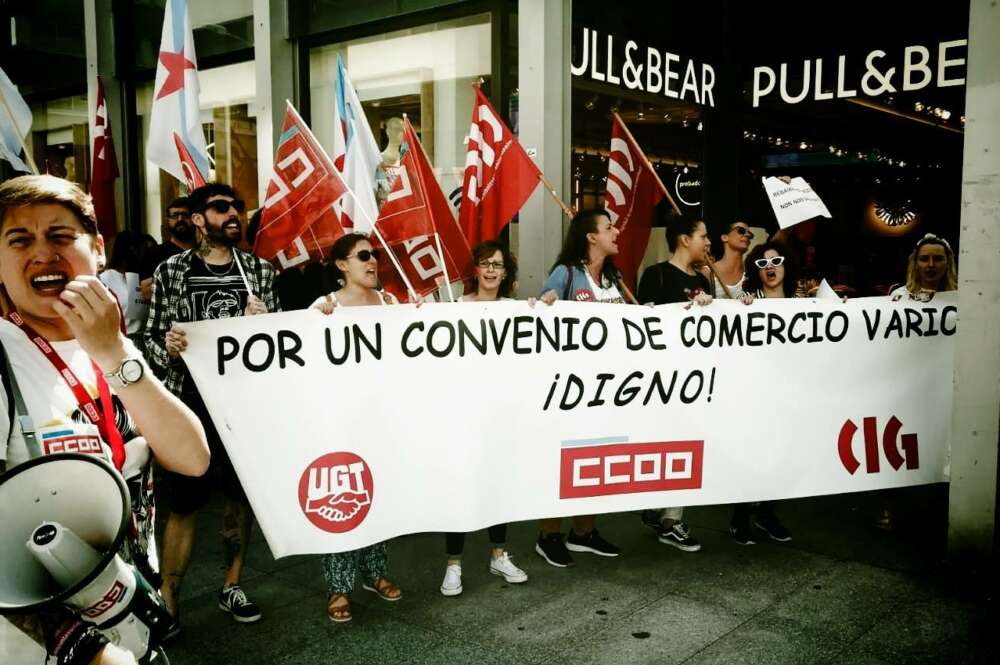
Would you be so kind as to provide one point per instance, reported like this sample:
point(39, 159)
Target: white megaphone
point(64, 519)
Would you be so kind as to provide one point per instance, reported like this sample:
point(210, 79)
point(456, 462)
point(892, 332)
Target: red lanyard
point(105, 421)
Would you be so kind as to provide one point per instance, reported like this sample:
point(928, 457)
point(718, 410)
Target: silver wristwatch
point(130, 371)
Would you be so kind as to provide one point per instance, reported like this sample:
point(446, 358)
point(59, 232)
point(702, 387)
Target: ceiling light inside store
point(684, 123)
point(700, 126)
point(666, 117)
point(803, 146)
point(946, 114)
point(919, 106)
point(685, 170)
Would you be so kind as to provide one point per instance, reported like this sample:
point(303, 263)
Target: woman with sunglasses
point(354, 265)
point(729, 275)
point(494, 279)
point(772, 272)
point(930, 268)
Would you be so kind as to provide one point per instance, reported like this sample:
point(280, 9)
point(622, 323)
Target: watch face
point(131, 370)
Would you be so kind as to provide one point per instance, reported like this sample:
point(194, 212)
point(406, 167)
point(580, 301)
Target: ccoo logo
point(335, 492)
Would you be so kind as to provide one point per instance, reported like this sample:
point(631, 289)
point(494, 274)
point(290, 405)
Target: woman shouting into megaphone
point(84, 385)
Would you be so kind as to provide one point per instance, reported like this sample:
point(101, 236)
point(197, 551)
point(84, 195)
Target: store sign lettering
point(651, 71)
point(883, 74)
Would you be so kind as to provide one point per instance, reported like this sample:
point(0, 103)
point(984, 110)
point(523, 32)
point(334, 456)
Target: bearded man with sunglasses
point(211, 281)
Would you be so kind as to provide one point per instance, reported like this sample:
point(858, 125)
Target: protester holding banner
point(729, 273)
point(494, 279)
point(930, 268)
point(215, 280)
point(354, 264)
point(585, 271)
point(80, 376)
point(672, 281)
point(772, 271)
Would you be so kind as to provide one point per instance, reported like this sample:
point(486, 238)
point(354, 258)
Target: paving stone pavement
point(842, 592)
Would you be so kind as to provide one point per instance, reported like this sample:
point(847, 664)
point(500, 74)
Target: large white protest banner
point(373, 422)
point(793, 201)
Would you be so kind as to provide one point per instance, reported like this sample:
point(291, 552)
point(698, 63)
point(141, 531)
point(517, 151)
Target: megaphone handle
point(23, 417)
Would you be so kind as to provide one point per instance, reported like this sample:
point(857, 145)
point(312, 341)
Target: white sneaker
point(505, 567)
point(452, 585)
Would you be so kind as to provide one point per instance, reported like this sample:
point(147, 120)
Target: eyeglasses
point(365, 255)
point(222, 206)
point(743, 231)
point(179, 215)
point(772, 262)
point(487, 265)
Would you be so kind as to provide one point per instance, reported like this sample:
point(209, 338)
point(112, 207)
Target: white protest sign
point(374, 422)
point(826, 292)
point(794, 201)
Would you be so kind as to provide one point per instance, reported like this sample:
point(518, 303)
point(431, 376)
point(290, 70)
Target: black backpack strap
point(6, 375)
point(15, 402)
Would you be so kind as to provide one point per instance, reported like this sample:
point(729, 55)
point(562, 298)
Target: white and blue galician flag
point(355, 154)
point(15, 123)
point(176, 141)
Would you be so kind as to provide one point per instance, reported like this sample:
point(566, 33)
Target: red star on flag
point(175, 63)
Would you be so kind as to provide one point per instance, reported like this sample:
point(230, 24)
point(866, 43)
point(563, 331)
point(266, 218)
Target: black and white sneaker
point(741, 534)
point(774, 529)
point(592, 542)
point(552, 548)
point(233, 600)
point(680, 537)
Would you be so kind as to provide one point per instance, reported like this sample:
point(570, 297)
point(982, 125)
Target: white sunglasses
point(772, 262)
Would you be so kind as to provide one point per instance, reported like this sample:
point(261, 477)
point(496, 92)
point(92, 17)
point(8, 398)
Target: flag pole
point(20, 139)
point(444, 266)
point(423, 187)
point(567, 210)
point(371, 222)
point(645, 160)
point(239, 266)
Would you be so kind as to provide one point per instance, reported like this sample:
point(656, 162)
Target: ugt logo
point(335, 492)
point(892, 443)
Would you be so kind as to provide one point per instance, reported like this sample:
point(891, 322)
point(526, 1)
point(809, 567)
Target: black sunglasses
point(743, 231)
point(365, 255)
point(222, 206)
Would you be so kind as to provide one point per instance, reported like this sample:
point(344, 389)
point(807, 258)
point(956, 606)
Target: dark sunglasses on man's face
point(222, 206)
point(743, 231)
point(366, 255)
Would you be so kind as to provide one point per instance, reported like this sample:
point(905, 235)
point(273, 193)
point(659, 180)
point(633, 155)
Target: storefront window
point(426, 72)
point(61, 138)
point(869, 111)
point(230, 134)
point(220, 27)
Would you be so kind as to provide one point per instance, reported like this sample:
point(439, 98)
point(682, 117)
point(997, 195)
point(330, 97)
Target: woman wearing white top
point(355, 265)
point(494, 279)
point(729, 269)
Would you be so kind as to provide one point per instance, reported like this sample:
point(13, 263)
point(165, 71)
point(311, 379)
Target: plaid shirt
point(170, 303)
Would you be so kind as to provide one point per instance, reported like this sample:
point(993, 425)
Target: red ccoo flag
point(299, 223)
point(633, 191)
point(499, 175)
point(104, 168)
point(414, 211)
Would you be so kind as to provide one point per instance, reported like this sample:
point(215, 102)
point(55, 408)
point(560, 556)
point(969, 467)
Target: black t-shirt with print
point(665, 283)
point(215, 292)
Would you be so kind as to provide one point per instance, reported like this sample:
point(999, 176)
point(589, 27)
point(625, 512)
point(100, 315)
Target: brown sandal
point(385, 589)
point(339, 612)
